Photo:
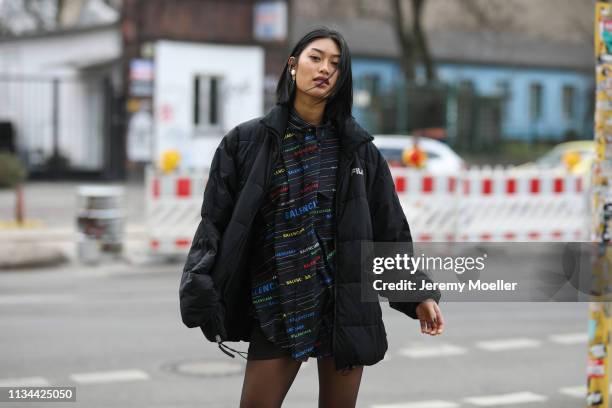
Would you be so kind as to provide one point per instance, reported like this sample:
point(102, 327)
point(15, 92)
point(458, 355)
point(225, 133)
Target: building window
point(535, 102)
point(371, 83)
point(467, 84)
point(568, 102)
point(207, 102)
point(505, 93)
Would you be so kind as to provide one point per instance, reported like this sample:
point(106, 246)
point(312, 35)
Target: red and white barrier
point(173, 204)
point(494, 205)
point(475, 205)
point(485, 185)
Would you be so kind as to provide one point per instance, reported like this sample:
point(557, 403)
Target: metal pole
point(598, 369)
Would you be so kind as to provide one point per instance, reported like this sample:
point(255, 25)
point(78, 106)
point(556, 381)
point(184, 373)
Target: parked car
point(566, 158)
point(440, 158)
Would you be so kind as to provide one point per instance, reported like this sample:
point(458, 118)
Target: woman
point(275, 259)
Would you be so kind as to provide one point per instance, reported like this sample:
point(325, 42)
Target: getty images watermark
point(412, 264)
point(480, 271)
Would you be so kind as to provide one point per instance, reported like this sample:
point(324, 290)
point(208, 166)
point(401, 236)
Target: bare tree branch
point(477, 11)
point(420, 39)
point(31, 9)
point(405, 39)
point(363, 10)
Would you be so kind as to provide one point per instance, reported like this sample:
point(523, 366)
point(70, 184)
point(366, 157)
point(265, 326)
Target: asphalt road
point(115, 333)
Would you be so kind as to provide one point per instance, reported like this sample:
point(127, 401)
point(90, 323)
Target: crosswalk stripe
point(419, 351)
point(578, 391)
point(505, 399)
point(569, 338)
point(507, 344)
point(109, 376)
point(24, 382)
point(419, 404)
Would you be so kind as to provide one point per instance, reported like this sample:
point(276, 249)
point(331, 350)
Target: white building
point(53, 91)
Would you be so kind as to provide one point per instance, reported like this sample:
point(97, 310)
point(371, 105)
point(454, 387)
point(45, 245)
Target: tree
point(12, 175)
point(412, 40)
point(406, 17)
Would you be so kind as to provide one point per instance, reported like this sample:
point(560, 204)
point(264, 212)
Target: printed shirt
point(292, 265)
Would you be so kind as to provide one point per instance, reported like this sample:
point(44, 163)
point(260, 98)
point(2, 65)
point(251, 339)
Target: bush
point(12, 170)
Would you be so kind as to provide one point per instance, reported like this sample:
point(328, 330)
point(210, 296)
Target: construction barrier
point(475, 205)
point(494, 205)
point(173, 204)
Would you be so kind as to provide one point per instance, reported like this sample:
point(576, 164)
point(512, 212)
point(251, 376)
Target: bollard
point(100, 223)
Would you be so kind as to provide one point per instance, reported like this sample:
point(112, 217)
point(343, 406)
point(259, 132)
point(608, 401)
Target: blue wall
point(517, 121)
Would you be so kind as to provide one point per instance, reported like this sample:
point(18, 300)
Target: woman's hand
point(430, 316)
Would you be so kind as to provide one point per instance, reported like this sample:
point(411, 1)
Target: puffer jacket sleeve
point(389, 224)
point(200, 303)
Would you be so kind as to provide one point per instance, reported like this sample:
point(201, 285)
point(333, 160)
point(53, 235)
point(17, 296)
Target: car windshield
point(395, 154)
point(550, 159)
point(391, 154)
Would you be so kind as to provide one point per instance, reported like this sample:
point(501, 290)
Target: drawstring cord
point(221, 345)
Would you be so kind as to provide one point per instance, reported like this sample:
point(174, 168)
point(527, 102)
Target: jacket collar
point(351, 135)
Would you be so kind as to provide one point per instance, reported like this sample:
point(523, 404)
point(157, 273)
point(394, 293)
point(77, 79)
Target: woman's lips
point(321, 82)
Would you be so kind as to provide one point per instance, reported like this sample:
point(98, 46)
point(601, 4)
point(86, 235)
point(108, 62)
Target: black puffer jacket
point(215, 287)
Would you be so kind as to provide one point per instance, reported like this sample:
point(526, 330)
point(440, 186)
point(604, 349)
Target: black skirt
point(260, 348)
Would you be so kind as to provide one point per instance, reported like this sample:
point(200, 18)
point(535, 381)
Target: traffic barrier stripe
point(511, 186)
point(183, 187)
point(427, 183)
point(555, 235)
point(155, 184)
point(173, 206)
point(485, 185)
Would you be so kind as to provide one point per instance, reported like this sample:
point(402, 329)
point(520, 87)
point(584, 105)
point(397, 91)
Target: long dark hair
point(340, 101)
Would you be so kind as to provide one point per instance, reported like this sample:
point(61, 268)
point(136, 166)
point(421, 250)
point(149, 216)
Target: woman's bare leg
point(337, 389)
point(266, 382)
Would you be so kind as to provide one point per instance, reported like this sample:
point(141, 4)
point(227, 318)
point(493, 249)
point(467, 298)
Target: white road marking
point(419, 404)
point(423, 351)
point(24, 382)
point(569, 338)
point(109, 376)
point(508, 344)
point(579, 391)
point(506, 399)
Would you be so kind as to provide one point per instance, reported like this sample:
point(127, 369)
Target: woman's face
point(316, 71)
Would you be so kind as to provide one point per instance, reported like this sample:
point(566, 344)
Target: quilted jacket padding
point(215, 287)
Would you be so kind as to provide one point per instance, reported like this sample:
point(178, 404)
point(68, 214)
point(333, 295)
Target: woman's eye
point(314, 58)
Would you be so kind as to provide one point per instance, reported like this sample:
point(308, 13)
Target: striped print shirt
point(292, 264)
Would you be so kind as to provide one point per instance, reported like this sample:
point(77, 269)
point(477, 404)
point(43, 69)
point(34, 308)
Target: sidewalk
point(51, 235)
point(55, 203)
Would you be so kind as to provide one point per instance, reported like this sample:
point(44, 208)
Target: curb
point(29, 248)
point(54, 234)
point(24, 256)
